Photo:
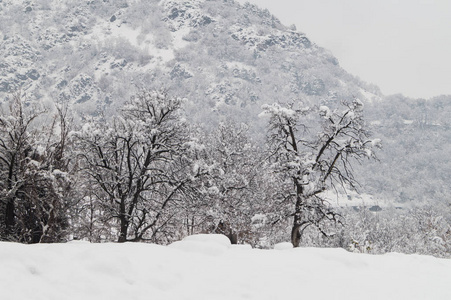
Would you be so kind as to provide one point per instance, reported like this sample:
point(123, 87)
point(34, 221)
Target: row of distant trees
point(146, 174)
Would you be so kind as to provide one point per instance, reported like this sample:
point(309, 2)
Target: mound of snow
point(208, 267)
point(208, 244)
point(283, 246)
point(219, 239)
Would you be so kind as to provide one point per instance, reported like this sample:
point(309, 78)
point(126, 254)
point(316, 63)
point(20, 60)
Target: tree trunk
point(9, 217)
point(124, 229)
point(295, 233)
point(122, 235)
point(233, 237)
point(123, 218)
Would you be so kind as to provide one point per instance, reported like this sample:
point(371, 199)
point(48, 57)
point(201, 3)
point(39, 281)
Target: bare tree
point(139, 166)
point(309, 164)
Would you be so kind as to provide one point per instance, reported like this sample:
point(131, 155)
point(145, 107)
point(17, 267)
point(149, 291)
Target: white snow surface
point(208, 267)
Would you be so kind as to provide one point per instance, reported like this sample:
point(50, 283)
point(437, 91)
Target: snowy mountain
point(224, 57)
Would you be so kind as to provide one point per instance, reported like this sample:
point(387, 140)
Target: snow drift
point(208, 267)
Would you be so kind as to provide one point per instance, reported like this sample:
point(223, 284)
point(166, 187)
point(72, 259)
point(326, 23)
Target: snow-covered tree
point(47, 194)
point(309, 163)
point(34, 184)
point(139, 166)
point(233, 181)
point(14, 142)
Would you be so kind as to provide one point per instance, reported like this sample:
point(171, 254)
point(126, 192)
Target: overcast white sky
point(403, 46)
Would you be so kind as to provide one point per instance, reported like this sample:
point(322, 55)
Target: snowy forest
point(146, 174)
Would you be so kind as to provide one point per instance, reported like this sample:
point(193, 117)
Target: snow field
point(208, 267)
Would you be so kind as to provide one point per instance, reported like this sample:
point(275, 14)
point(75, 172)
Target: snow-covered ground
point(208, 267)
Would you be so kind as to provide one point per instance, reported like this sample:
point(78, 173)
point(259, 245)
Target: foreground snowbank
point(208, 267)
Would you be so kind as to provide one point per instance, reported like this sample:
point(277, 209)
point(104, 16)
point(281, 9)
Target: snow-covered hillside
point(219, 54)
point(208, 267)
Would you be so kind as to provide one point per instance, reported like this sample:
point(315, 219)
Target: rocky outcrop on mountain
point(222, 56)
